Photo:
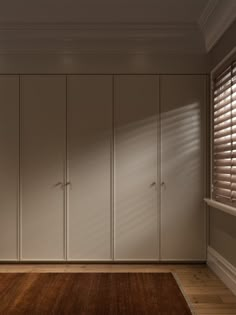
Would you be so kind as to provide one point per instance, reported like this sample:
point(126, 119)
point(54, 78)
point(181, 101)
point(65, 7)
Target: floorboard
point(207, 294)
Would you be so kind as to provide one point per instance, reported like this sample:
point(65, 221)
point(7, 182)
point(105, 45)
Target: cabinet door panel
point(43, 118)
point(136, 174)
point(9, 166)
point(182, 132)
point(89, 166)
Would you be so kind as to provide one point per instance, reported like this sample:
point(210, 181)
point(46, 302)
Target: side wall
point(222, 226)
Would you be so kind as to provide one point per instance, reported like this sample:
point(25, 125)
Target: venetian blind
point(224, 136)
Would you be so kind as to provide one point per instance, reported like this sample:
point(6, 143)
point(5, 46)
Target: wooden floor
point(206, 293)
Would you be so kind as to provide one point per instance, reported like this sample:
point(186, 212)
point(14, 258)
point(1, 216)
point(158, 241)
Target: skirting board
point(222, 268)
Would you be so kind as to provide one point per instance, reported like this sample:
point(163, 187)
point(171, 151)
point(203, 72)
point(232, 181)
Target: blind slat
point(222, 103)
point(224, 155)
point(220, 91)
point(223, 110)
point(223, 162)
point(223, 79)
point(223, 125)
point(224, 148)
point(225, 132)
point(221, 177)
point(222, 170)
point(223, 192)
point(225, 185)
point(223, 95)
point(223, 140)
point(225, 178)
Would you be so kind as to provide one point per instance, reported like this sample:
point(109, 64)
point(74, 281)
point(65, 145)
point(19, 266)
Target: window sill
point(220, 206)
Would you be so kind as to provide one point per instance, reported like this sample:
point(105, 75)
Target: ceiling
point(187, 26)
point(101, 11)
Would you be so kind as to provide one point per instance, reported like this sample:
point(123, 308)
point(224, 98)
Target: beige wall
point(223, 47)
point(102, 63)
point(223, 234)
point(222, 226)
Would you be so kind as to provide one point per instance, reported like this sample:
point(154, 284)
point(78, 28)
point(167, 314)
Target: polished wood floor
point(206, 293)
point(91, 294)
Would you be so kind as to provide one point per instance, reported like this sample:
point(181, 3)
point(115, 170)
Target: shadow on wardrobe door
point(183, 218)
point(9, 166)
point(136, 199)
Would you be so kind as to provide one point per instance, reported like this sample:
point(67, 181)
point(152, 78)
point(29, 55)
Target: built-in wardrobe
point(102, 167)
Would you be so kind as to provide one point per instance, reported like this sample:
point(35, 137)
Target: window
point(224, 137)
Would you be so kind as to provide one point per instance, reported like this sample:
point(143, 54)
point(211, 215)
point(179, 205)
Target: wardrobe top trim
point(108, 74)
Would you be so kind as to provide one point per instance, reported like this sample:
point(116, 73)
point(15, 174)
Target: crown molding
point(96, 31)
point(20, 37)
point(207, 12)
point(216, 18)
point(99, 26)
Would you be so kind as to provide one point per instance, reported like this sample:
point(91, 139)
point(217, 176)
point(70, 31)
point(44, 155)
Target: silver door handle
point(153, 184)
point(67, 183)
point(58, 184)
point(163, 184)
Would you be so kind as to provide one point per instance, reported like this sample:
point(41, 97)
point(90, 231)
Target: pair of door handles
point(63, 184)
point(162, 184)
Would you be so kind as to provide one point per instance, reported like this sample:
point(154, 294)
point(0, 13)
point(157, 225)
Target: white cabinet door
point(136, 212)
point(89, 166)
point(43, 144)
point(9, 166)
point(183, 101)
